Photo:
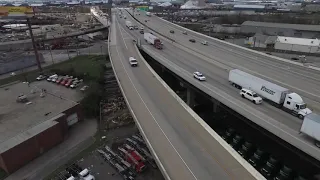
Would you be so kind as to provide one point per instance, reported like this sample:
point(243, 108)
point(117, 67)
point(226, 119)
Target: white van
point(133, 61)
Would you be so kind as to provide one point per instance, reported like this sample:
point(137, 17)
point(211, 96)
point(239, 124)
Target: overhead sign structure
point(18, 12)
point(143, 8)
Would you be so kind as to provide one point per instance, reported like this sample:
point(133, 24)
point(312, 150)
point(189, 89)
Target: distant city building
point(281, 29)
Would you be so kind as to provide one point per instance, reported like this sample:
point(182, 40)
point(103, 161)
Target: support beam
point(215, 105)
point(190, 97)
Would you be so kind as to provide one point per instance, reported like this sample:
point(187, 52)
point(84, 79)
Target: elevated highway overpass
point(184, 146)
point(215, 60)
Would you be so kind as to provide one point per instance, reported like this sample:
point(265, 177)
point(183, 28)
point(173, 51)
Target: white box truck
point(152, 39)
point(311, 126)
point(129, 25)
point(280, 96)
point(148, 14)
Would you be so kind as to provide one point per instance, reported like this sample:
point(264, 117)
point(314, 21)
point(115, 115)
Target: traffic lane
point(307, 71)
point(208, 144)
point(310, 98)
point(145, 115)
point(171, 115)
point(282, 74)
point(281, 130)
point(186, 143)
point(219, 78)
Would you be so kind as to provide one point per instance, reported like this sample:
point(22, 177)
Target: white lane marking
point(185, 72)
point(153, 116)
point(121, 34)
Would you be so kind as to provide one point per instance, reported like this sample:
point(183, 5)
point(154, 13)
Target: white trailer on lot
point(281, 96)
point(311, 126)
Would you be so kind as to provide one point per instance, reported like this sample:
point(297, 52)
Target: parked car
point(41, 77)
point(172, 31)
point(69, 82)
point(184, 32)
point(192, 40)
point(64, 81)
point(141, 28)
point(258, 157)
point(141, 32)
point(270, 168)
point(76, 83)
point(59, 79)
point(228, 135)
point(84, 88)
point(250, 95)
point(199, 76)
point(51, 77)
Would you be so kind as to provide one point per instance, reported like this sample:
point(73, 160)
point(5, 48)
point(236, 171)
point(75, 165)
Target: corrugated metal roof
point(301, 27)
point(298, 41)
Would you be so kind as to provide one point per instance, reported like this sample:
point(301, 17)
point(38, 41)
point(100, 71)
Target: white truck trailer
point(280, 96)
point(129, 25)
point(311, 126)
point(152, 39)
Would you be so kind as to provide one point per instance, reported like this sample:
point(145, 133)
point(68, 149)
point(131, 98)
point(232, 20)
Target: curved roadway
point(216, 70)
point(186, 150)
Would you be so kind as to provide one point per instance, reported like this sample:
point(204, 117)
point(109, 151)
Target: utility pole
point(34, 46)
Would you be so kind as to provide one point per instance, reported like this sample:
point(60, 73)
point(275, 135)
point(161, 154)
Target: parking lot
point(102, 167)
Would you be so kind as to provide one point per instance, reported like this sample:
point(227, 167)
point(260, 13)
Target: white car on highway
point(199, 76)
point(250, 95)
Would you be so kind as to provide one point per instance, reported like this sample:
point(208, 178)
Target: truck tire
point(300, 116)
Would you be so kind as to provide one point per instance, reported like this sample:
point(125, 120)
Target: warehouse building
point(281, 29)
point(297, 44)
point(33, 120)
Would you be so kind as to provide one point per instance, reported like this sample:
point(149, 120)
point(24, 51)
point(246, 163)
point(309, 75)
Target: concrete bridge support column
point(190, 97)
point(215, 105)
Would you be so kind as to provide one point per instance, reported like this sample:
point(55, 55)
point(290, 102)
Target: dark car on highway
point(172, 31)
point(192, 40)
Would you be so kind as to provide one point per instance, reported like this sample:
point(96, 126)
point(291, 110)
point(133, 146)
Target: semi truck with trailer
point(129, 25)
point(311, 126)
point(277, 95)
point(153, 40)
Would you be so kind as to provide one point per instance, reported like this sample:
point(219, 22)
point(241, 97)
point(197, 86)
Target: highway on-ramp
point(278, 122)
point(185, 149)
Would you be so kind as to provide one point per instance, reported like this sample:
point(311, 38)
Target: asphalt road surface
point(185, 149)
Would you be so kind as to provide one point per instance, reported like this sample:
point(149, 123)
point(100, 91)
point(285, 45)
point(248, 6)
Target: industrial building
point(281, 29)
point(285, 44)
point(297, 44)
point(34, 118)
point(260, 41)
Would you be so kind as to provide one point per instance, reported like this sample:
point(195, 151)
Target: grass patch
point(87, 65)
